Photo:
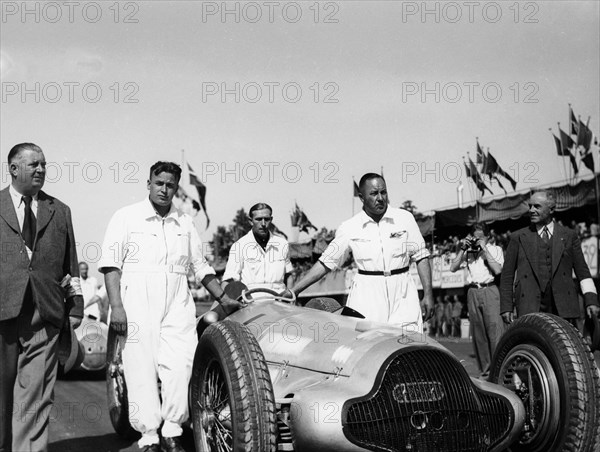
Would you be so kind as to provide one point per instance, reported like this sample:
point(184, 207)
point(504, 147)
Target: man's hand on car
point(229, 305)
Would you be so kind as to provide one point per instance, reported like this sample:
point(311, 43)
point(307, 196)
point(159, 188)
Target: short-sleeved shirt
point(478, 271)
point(388, 245)
point(249, 263)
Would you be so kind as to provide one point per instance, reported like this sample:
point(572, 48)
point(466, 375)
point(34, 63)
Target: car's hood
point(322, 341)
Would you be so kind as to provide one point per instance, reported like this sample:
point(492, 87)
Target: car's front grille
point(423, 400)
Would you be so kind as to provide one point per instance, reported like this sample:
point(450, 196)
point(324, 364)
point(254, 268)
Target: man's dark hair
point(480, 227)
point(166, 167)
point(259, 206)
point(368, 177)
point(18, 148)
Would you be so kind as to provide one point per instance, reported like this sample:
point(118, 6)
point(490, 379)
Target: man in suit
point(38, 251)
point(543, 256)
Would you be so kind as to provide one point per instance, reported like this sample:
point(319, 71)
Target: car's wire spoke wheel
point(528, 370)
point(116, 389)
point(544, 360)
point(231, 395)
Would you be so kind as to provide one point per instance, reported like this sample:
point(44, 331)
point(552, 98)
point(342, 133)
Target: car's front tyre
point(545, 361)
point(232, 402)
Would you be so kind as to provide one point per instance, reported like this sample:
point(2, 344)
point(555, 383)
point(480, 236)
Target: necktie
point(545, 235)
point(29, 223)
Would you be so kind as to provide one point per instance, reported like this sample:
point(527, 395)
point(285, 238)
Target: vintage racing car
point(275, 376)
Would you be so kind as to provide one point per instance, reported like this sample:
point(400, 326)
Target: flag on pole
point(566, 142)
point(467, 169)
point(492, 168)
point(584, 136)
point(300, 220)
point(356, 190)
point(588, 160)
point(201, 188)
point(480, 154)
point(563, 150)
point(573, 122)
point(479, 183)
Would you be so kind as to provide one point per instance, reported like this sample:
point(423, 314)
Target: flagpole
point(471, 196)
point(353, 182)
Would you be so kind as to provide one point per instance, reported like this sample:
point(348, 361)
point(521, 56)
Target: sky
point(287, 102)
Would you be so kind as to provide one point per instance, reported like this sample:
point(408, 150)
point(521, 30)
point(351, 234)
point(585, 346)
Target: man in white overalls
point(148, 249)
point(383, 240)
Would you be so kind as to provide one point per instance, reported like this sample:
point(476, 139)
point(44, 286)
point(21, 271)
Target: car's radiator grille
point(425, 401)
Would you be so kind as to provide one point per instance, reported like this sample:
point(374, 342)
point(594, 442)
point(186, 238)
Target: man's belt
point(139, 268)
point(481, 285)
point(396, 271)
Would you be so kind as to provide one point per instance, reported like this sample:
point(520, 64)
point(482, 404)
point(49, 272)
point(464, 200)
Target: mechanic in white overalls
point(260, 258)
point(148, 249)
point(383, 240)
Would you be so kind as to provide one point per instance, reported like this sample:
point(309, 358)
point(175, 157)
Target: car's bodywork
point(344, 383)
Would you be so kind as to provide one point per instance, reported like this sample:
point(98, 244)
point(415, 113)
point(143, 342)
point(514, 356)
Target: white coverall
point(154, 254)
point(388, 245)
point(256, 267)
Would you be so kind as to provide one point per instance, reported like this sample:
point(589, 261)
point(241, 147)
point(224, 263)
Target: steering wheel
point(273, 294)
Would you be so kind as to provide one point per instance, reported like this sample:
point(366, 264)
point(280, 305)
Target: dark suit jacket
point(521, 267)
point(54, 256)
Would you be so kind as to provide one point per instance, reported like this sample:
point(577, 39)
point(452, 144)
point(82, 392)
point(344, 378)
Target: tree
point(408, 205)
point(225, 237)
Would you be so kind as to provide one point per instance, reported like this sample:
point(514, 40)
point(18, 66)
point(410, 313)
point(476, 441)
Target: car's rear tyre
point(116, 389)
point(323, 304)
point(544, 359)
point(232, 402)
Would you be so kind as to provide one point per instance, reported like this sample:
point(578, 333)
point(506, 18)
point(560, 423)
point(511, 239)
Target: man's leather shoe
point(172, 444)
point(152, 448)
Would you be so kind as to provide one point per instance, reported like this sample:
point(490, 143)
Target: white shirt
point(388, 245)
point(478, 271)
point(138, 240)
point(19, 205)
point(249, 263)
point(549, 226)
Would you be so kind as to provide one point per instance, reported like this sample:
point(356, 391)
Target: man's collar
point(17, 196)
point(366, 218)
point(150, 211)
point(550, 226)
point(272, 242)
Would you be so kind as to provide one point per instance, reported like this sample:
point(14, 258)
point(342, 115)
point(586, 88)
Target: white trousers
point(161, 342)
point(387, 299)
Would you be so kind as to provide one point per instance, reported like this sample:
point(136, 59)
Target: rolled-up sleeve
point(198, 262)
point(336, 253)
point(233, 269)
point(113, 246)
point(417, 249)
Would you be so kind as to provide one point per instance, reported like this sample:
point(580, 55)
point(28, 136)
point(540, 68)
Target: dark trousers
point(548, 305)
point(28, 353)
